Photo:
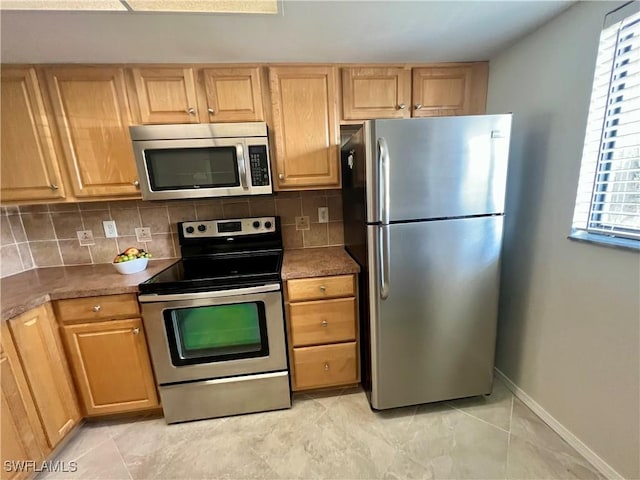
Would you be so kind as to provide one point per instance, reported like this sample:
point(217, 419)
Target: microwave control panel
point(259, 165)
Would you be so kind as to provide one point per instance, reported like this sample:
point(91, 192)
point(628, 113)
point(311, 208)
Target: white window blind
point(608, 197)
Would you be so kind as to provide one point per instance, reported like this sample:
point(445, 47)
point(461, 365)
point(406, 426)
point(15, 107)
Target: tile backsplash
point(45, 235)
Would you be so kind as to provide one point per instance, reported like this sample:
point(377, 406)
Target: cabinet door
point(451, 90)
point(30, 168)
point(93, 118)
point(40, 351)
point(111, 366)
point(166, 95)
point(22, 437)
point(376, 93)
point(232, 95)
point(305, 127)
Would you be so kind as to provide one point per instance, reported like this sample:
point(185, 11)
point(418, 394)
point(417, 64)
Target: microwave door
point(192, 168)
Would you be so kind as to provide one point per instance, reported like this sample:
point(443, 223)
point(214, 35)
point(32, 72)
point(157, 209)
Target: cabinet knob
point(53, 186)
point(324, 323)
point(211, 111)
point(96, 308)
point(135, 331)
point(191, 111)
point(136, 183)
point(281, 176)
point(402, 106)
point(418, 106)
point(323, 288)
point(326, 367)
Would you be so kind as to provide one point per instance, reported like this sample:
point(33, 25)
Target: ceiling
point(302, 31)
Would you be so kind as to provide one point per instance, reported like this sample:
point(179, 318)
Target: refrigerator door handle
point(383, 180)
point(383, 259)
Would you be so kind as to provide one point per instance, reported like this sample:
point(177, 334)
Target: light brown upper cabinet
point(451, 90)
point(39, 348)
point(305, 127)
point(447, 89)
point(93, 118)
point(30, 167)
point(166, 95)
point(231, 95)
point(376, 93)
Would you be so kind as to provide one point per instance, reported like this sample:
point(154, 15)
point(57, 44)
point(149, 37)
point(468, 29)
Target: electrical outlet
point(143, 234)
point(85, 237)
point(110, 230)
point(302, 223)
point(323, 214)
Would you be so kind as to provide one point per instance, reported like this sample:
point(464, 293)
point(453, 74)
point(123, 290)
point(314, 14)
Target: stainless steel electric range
point(215, 324)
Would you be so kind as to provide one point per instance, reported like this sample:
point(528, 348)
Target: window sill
point(605, 241)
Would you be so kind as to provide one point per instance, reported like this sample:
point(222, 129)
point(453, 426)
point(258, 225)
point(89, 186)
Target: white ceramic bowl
point(132, 266)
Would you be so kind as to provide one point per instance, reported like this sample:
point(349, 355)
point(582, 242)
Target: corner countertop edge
point(23, 291)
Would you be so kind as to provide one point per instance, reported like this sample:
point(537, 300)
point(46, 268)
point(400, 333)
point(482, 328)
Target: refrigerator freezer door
point(433, 336)
point(437, 167)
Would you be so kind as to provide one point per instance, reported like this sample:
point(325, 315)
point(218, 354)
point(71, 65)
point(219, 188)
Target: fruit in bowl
point(132, 260)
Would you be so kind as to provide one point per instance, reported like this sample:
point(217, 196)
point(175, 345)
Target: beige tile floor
point(334, 435)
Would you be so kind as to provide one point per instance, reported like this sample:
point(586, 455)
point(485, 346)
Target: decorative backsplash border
point(45, 235)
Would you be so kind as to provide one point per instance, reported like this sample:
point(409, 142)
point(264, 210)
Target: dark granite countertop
point(23, 291)
point(317, 262)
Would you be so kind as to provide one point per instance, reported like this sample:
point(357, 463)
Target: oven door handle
point(272, 287)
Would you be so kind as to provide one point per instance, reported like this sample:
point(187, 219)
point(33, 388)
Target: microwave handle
point(242, 166)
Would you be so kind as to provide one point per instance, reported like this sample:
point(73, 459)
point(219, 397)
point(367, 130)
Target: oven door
point(201, 167)
point(198, 336)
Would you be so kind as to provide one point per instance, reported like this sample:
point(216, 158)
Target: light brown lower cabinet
point(326, 365)
point(22, 437)
point(322, 327)
point(111, 366)
point(39, 349)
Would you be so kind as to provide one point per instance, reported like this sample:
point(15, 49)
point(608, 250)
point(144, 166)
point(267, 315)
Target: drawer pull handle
point(96, 308)
point(136, 331)
point(326, 367)
point(323, 288)
point(324, 323)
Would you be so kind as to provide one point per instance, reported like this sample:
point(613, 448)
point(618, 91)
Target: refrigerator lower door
point(433, 309)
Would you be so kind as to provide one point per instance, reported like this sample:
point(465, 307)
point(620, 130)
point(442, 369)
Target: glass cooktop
point(216, 273)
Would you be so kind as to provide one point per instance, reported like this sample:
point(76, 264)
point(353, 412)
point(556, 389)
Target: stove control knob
point(202, 227)
point(189, 229)
point(267, 225)
point(256, 224)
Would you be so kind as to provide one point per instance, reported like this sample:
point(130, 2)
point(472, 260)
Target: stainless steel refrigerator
point(423, 204)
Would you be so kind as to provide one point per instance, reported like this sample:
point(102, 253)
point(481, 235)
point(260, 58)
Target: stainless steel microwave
point(202, 160)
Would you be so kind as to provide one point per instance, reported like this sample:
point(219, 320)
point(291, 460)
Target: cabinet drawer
point(329, 321)
point(97, 308)
point(320, 288)
point(325, 366)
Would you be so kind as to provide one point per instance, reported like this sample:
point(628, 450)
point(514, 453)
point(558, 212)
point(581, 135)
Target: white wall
point(304, 31)
point(569, 327)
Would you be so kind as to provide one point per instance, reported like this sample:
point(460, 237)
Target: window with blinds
point(608, 197)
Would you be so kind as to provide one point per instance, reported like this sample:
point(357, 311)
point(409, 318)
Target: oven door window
point(216, 333)
point(190, 168)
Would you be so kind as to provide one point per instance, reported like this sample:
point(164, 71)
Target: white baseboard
point(602, 466)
